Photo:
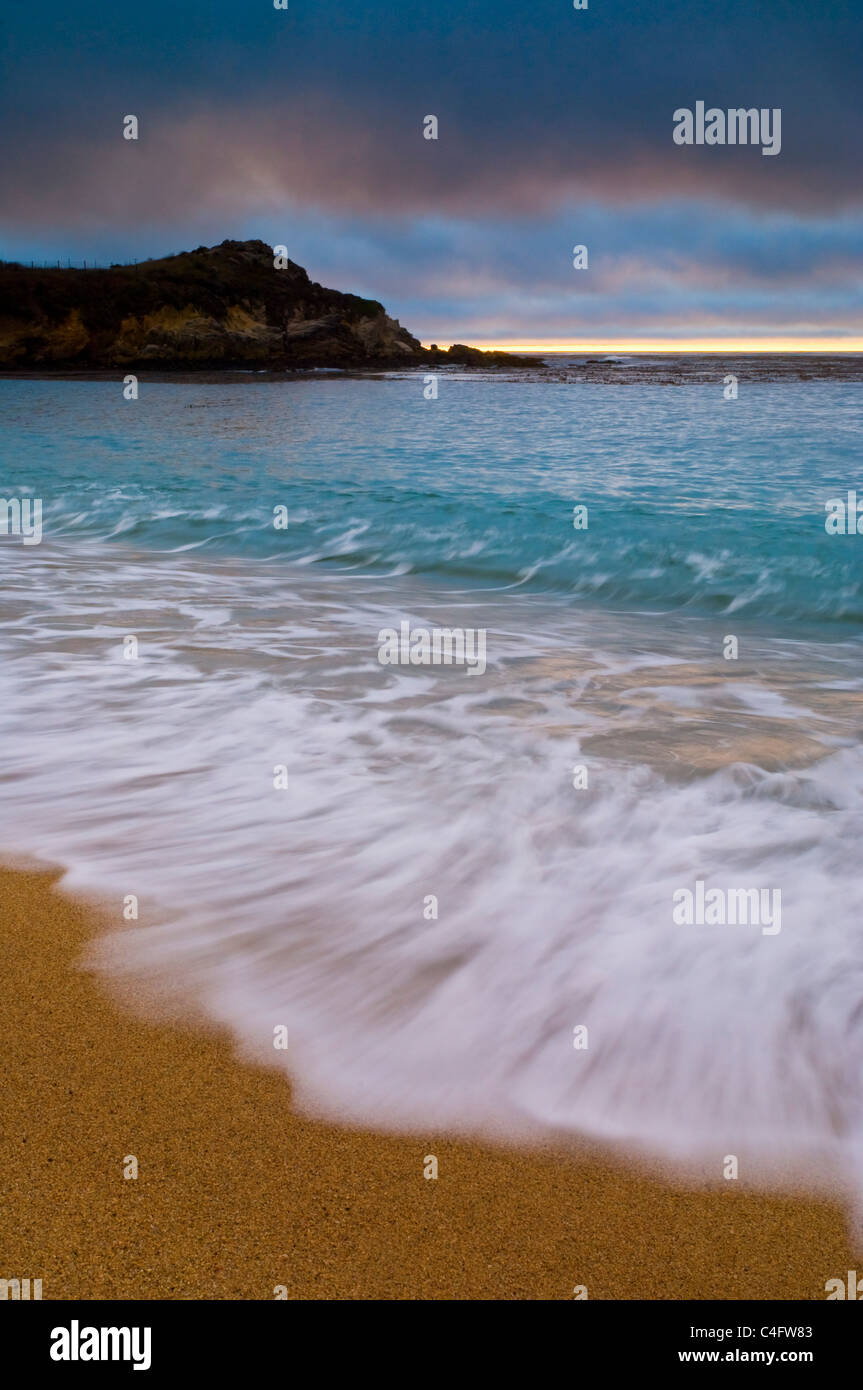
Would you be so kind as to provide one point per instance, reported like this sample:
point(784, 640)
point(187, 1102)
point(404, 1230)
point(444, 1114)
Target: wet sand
point(237, 1195)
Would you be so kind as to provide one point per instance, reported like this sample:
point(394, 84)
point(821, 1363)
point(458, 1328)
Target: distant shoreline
point(659, 369)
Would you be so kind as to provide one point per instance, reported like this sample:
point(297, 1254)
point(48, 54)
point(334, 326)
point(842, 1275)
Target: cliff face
point(219, 306)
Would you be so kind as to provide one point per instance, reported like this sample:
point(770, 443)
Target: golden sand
point(236, 1194)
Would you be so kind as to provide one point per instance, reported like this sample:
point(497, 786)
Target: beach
point(237, 1194)
point(578, 918)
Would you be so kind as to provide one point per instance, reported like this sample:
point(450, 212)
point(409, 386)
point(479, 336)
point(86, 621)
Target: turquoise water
point(694, 503)
point(433, 875)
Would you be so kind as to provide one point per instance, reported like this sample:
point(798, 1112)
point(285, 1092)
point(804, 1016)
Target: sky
point(304, 127)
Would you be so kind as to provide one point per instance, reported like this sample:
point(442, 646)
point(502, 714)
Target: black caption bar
point(149, 1339)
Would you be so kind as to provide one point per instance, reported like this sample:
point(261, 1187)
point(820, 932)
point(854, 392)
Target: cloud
point(320, 153)
point(305, 127)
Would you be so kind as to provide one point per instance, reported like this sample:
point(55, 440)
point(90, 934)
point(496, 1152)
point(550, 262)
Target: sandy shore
point(236, 1194)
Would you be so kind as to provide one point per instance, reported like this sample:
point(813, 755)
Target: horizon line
point(717, 346)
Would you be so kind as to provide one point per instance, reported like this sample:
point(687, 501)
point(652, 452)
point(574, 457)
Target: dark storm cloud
point(324, 102)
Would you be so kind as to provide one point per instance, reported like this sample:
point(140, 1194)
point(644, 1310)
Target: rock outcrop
point(223, 306)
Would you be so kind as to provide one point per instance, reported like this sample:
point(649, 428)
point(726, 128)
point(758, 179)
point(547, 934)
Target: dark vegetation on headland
point(217, 307)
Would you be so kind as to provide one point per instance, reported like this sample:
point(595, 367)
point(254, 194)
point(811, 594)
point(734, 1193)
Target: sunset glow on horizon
point(718, 346)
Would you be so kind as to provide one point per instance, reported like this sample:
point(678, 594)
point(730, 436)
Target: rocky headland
point(218, 307)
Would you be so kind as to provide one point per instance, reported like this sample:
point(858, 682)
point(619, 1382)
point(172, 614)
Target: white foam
point(305, 907)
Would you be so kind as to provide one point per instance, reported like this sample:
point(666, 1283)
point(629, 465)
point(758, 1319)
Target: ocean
point(457, 888)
